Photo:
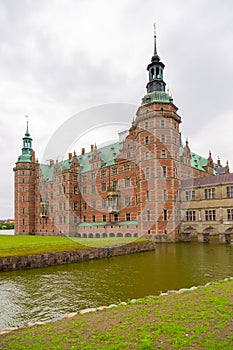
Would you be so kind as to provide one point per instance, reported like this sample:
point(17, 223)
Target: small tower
point(25, 188)
point(158, 156)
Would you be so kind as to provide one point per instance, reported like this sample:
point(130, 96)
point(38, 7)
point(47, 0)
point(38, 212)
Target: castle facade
point(148, 184)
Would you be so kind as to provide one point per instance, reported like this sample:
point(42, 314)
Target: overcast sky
point(60, 57)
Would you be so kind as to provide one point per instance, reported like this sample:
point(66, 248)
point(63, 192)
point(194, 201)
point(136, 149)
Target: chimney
point(33, 156)
point(51, 162)
point(92, 148)
point(69, 156)
point(83, 151)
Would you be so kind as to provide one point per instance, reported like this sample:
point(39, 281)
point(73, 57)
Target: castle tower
point(158, 142)
point(25, 188)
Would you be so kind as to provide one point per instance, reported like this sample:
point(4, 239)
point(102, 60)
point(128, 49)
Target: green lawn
point(198, 319)
point(27, 245)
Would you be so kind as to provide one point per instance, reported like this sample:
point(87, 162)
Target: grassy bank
point(197, 319)
point(27, 245)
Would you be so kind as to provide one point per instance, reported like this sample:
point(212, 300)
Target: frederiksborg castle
point(150, 183)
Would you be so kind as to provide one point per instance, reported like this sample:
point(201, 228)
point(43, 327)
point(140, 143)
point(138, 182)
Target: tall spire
point(27, 146)
point(27, 132)
point(155, 48)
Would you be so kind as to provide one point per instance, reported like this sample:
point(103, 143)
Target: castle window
point(23, 198)
point(210, 193)
point(103, 186)
point(165, 194)
point(64, 219)
point(147, 155)
point(103, 203)
point(93, 176)
point(114, 171)
point(23, 180)
point(147, 173)
point(229, 191)
point(115, 185)
point(75, 220)
point(163, 138)
point(103, 173)
point(128, 154)
point(146, 125)
point(64, 205)
point(162, 123)
point(84, 218)
point(93, 218)
point(148, 195)
point(51, 195)
point(127, 216)
point(64, 189)
point(190, 195)
point(93, 204)
point(190, 215)
point(210, 215)
point(164, 171)
point(115, 217)
point(93, 189)
point(75, 206)
point(165, 214)
point(127, 200)
point(163, 153)
point(104, 217)
point(147, 140)
point(75, 178)
point(84, 206)
point(23, 222)
point(148, 215)
point(75, 189)
point(23, 211)
point(127, 182)
point(126, 167)
point(229, 214)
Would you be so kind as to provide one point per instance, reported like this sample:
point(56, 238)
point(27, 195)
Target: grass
point(27, 245)
point(198, 319)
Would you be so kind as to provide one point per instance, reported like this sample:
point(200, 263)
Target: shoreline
point(13, 263)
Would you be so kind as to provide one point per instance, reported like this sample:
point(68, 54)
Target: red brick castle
point(130, 188)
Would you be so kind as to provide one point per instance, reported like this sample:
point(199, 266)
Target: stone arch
point(84, 235)
point(119, 234)
point(111, 234)
point(104, 235)
point(228, 235)
point(90, 235)
point(97, 235)
point(79, 235)
point(128, 234)
point(135, 235)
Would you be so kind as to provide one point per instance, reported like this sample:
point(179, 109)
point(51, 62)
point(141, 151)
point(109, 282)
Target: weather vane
point(154, 29)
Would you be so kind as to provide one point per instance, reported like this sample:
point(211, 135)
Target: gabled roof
point(208, 181)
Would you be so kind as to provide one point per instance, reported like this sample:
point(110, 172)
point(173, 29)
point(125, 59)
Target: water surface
point(48, 293)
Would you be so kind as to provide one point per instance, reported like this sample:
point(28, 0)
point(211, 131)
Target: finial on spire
point(155, 49)
point(27, 132)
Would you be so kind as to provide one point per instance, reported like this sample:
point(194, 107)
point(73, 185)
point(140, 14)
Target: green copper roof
point(47, 172)
point(108, 155)
point(197, 162)
point(120, 223)
point(25, 157)
point(156, 96)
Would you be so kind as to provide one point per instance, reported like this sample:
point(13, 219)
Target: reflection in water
point(49, 293)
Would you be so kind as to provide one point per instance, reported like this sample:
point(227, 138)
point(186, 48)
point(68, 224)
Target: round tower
point(158, 143)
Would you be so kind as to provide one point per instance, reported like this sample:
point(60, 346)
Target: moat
point(48, 293)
